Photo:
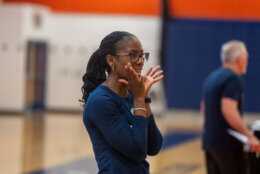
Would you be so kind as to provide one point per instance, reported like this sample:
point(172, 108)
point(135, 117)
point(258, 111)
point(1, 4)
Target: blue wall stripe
point(176, 138)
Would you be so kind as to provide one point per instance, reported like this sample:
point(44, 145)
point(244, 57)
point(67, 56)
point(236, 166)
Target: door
point(36, 75)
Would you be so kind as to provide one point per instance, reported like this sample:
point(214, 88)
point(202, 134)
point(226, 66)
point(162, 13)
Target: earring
point(106, 73)
point(113, 68)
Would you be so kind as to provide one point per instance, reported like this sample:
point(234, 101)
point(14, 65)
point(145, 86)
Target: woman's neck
point(113, 84)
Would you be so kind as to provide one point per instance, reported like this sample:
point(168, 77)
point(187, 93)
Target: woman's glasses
point(135, 57)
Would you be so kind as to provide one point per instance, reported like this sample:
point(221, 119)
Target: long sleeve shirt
point(120, 140)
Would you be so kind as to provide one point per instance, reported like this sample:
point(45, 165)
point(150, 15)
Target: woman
point(117, 112)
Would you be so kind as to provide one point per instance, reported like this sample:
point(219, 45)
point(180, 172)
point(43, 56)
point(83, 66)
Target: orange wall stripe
point(136, 7)
point(219, 9)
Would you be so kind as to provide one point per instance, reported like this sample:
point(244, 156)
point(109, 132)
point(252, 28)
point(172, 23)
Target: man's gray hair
point(231, 50)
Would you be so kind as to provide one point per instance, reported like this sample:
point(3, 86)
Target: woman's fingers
point(130, 74)
point(134, 75)
point(149, 71)
point(134, 82)
point(158, 79)
point(155, 69)
point(157, 74)
point(123, 81)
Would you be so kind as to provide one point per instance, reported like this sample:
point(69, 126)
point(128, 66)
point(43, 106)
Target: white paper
point(242, 138)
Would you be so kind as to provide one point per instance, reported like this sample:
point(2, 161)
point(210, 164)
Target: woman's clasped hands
point(140, 85)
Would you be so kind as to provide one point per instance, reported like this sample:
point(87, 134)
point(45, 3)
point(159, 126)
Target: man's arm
point(202, 109)
point(231, 114)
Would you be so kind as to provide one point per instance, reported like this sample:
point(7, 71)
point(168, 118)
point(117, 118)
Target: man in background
point(221, 106)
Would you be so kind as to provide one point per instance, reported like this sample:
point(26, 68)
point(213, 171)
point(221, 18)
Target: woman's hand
point(135, 82)
point(151, 77)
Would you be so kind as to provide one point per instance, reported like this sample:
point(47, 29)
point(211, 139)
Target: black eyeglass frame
point(144, 56)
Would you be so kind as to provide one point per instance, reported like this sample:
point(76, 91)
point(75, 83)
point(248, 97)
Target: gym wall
point(194, 34)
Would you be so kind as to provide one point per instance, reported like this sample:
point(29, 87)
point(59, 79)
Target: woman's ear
point(110, 60)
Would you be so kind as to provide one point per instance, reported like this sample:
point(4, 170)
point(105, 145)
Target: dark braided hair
point(97, 65)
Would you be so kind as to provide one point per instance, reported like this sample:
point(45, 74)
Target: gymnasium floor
point(57, 143)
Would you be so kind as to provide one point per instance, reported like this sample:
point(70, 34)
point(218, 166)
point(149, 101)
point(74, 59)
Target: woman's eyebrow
point(136, 51)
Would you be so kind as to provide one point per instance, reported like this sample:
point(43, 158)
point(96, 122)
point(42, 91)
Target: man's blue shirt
point(221, 83)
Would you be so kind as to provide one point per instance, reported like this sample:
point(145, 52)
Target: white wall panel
point(65, 71)
point(11, 59)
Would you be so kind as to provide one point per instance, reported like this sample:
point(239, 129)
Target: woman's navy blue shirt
point(120, 140)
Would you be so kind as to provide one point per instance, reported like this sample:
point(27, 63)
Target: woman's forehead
point(130, 44)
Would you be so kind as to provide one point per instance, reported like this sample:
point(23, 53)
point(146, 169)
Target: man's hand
point(255, 144)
